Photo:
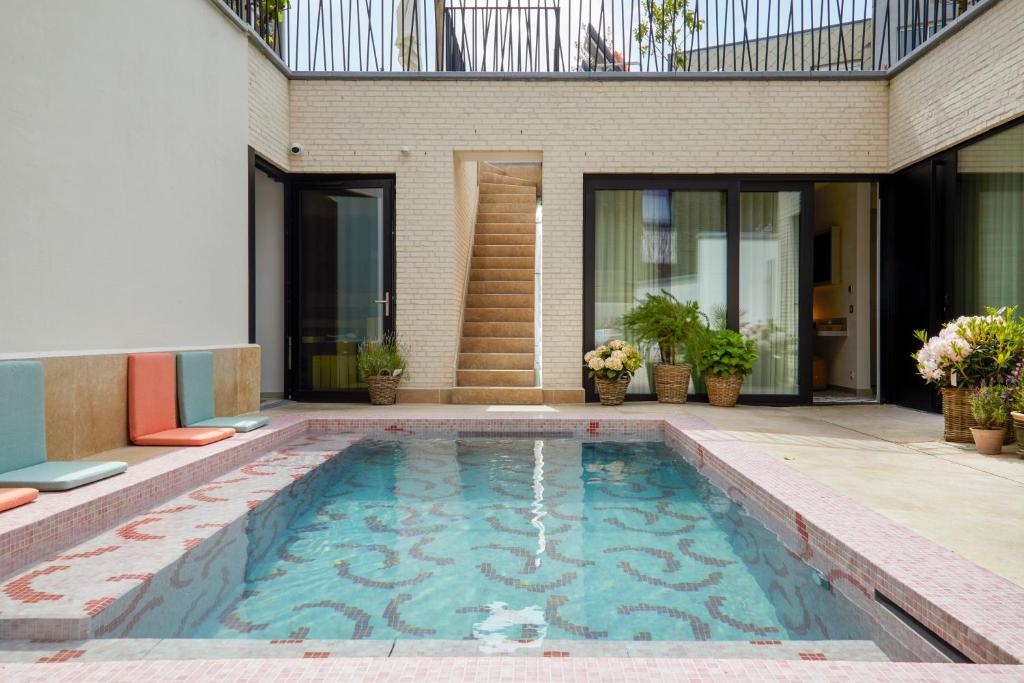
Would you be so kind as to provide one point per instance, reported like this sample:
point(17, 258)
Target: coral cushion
point(184, 436)
point(151, 394)
point(12, 498)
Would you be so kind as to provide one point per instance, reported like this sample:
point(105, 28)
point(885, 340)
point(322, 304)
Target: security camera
point(296, 148)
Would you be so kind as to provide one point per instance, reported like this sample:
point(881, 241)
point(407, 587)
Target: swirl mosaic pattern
point(511, 541)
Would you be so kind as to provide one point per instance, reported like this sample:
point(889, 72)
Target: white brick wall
point(268, 109)
point(965, 86)
point(580, 127)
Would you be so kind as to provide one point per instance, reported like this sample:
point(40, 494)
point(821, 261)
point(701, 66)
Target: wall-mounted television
point(827, 254)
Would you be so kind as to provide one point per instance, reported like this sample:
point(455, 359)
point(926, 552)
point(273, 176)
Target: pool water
point(509, 541)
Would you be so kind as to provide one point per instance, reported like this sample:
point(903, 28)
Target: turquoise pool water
point(515, 540)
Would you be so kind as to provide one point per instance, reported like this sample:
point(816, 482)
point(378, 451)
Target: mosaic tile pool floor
point(511, 543)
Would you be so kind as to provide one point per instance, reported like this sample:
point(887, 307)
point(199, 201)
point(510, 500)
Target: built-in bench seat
point(195, 395)
point(23, 459)
point(152, 409)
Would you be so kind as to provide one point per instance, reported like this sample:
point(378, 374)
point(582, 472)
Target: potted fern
point(382, 366)
point(726, 360)
point(661, 321)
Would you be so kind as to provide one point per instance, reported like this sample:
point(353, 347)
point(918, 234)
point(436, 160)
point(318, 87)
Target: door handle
point(387, 303)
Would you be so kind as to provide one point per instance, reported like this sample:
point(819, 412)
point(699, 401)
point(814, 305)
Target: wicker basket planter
point(672, 382)
point(723, 391)
point(1018, 426)
point(383, 388)
point(956, 412)
point(612, 392)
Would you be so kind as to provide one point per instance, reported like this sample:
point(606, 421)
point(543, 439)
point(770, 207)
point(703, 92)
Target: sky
point(362, 34)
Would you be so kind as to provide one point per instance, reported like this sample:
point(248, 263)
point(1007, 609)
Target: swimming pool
point(509, 542)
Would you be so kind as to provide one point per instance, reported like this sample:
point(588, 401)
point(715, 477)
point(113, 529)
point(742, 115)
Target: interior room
point(845, 292)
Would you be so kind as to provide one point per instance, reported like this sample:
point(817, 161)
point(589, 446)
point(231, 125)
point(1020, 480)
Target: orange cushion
point(12, 498)
point(152, 403)
point(184, 436)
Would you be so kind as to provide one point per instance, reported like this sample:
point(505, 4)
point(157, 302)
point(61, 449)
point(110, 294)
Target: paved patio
point(889, 458)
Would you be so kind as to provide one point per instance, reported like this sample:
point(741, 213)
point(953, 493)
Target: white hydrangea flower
point(596, 364)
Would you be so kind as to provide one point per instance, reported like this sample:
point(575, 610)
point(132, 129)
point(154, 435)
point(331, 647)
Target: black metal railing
point(546, 36)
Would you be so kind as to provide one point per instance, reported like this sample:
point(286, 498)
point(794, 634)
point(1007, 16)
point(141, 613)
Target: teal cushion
point(242, 423)
point(22, 417)
point(58, 475)
point(195, 387)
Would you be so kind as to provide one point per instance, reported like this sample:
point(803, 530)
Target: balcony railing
point(555, 36)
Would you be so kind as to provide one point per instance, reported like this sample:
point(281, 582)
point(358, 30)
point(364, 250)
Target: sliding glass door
point(341, 290)
point(737, 248)
point(648, 241)
point(769, 297)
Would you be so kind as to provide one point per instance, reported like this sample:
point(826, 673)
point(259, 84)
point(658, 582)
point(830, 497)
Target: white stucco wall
point(123, 210)
point(270, 282)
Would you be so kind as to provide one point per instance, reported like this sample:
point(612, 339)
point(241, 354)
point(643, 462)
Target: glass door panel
point(769, 281)
point(650, 240)
point(344, 293)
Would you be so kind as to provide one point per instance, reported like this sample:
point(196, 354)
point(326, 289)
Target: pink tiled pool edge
point(860, 550)
point(495, 670)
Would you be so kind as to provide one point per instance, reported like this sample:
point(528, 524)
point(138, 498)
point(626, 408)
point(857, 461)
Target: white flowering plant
point(610, 361)
point(972, 350)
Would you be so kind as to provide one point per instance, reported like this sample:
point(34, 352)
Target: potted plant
point(612, 366)
point(726, 359)
point(1015, 402)
point(988, 407)
point(664, 322)
point(382, 366)
point(967, 352)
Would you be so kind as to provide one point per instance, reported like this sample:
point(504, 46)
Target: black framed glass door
point(340, 282)
point(741, 248)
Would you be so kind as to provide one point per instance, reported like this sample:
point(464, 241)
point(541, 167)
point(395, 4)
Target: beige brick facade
point(268, 109)
point(964, 86)
point(733, 126)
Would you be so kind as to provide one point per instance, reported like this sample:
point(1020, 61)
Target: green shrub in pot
point(726, 359)
point(675, 328)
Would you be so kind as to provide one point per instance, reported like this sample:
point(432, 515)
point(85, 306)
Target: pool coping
point(978, 612)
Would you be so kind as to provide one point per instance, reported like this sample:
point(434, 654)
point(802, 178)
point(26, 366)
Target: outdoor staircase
point(496, 356)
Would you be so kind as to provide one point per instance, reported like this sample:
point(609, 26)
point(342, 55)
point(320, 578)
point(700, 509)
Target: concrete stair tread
point(499, 300)
point(502, 179)
point(498, 395)
point(477, 274)
point(504, 250)
point(505, 238)
point(494, 378)
point(501, 188)
point(476, 314)
point(505, 229)
point(497, 345)
point(502, 262)
point(497, 329)
point(501, 287)
point(496, 361)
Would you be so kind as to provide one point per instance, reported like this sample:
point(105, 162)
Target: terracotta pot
point(612, 392)
point(988, 441)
